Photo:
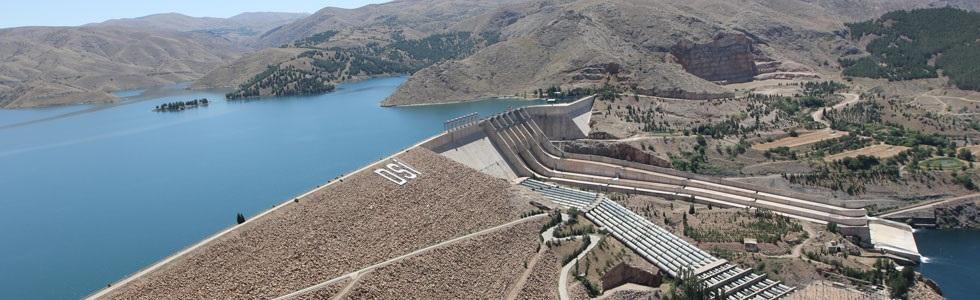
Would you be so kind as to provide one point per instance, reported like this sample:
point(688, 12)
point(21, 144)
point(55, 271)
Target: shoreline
point(162, 262)
point(172, 257)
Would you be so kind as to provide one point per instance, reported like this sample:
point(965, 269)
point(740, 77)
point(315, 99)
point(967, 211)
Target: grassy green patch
point(942, 163)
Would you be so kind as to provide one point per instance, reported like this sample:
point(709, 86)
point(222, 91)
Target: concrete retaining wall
point(521, 140)
point(526, 144)
point(564, 121)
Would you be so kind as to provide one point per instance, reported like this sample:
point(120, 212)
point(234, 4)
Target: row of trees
point(605, 92)
point(181, 105)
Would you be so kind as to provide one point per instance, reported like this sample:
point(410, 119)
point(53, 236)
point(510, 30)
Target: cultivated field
point(782, 87)
point(801, 140)
point(879, 151)
point(346, 226)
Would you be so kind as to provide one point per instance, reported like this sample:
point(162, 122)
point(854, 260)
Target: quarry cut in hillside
point(727, 59)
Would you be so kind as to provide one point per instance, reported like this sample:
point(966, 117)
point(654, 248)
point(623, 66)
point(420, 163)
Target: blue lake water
point(89, 194)
point(952, 259)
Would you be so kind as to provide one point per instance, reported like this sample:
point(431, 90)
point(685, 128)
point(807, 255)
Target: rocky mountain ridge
point(659, 48)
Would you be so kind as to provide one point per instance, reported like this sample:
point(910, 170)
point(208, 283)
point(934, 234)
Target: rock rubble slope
point(341, 228)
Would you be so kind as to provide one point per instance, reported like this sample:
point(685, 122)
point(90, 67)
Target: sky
point(16, 13)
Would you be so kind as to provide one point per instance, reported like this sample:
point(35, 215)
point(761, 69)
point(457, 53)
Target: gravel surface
point(543, 282)
point(363, 220)
point(326, 292)
point(484, 267)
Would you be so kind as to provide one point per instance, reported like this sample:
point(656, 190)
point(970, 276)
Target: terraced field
point(801, 140)
point(879, 151)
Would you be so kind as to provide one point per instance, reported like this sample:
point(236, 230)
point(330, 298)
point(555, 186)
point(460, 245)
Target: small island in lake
point(181, 105)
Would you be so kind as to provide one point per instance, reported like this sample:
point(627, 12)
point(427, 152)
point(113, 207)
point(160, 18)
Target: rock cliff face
point(615, 150)
point(726, 59)
point(624, 273)
point(958, 216)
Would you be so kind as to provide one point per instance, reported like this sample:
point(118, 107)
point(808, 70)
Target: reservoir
point(89, 194)
point(951, 258)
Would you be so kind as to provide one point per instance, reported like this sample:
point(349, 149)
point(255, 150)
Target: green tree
point(832, 227)
point(966, 154)
point(690, 287)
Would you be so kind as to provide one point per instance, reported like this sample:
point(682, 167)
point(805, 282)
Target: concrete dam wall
point(518, 144)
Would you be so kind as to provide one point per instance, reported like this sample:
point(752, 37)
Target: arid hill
point(415, 18)
point(538, 44)
point(457, 50)
point(42, 66)
point(568, 43)
point(245, 26)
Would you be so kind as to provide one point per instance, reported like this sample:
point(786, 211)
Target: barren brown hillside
point(631, 43)
point(243, 28)
point(60, 65)
point(560, 43)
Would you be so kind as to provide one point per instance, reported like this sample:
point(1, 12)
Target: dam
point(375, 213)
point(518, 144)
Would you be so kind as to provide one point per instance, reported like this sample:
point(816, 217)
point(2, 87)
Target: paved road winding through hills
point(928, 204)
point(563, 278)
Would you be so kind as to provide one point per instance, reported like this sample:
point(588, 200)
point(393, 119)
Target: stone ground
point(484, 267)
point(829, 291)
point(343, 227)
point(327, 292)
point(631, 295)
point(577, 291)
point(921, 291)
point(543, 281)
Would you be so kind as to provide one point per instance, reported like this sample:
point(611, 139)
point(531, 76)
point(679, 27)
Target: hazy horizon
point(72, 13)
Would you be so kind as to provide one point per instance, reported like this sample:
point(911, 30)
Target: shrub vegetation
point(906, 41)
